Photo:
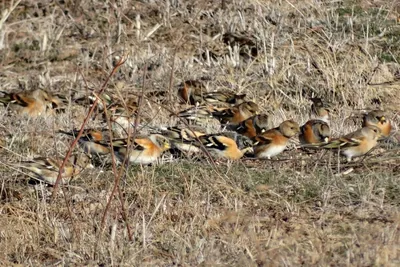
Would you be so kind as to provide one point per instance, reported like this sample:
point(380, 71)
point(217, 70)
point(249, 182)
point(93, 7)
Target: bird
point(183, 132)
point(194, 92)
point(122, 116)
point(46, 169)
point(105, 99)
point(191, 92)
point(224, 97)
point(142, 150)
point(314, 132)
point(33, 103)
point(58, 102)
point(121, 113)
point(236, 114)
point(183, 138)
point(274, 141)
point(197, 113)
point(93, 141)
point(253, 126)
point(378, 119)
point(357, 143)
point(319, 110)
point(201, 115)
point(228, 145)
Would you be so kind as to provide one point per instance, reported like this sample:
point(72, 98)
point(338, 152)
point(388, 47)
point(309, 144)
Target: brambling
point(122, 117)
point(274, 141)
point(237, 113)
point(142, 150)
point(224, 97)
point(32, 103)
point(319, 110)
point(253, 126)
point(194, 92)
point(92, 141)
point(58, 102)
point(156, 93)
point(357, 143)
point(228, 145)
point(183, 133)
point(197, 113)
point(111, 103)
point(191, 92)
point(46, 168)
point(314, 132)
point(378, 119)
point(184, 138)
point(105, 100)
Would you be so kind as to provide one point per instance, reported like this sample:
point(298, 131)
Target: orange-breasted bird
point(253, 126)
point(314, 132)
point(191, 92)
point(141, 150)
point(237, 113)
point(378, 119)
point(319, 110)
point(93, 141)
point(228, 145)
point(32, 103)
point(357, 143)
point(274, 141)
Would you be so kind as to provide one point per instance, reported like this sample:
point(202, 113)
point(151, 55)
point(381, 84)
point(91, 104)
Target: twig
point(125, 163)
point(72, 146)
point(117, 176)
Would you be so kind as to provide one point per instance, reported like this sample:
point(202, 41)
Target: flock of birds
point(246, 132)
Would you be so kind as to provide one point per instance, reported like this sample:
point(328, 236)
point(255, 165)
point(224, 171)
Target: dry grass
point(296, 210)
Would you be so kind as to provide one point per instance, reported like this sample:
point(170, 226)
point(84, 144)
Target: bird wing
point(195, 113)
point(342, 143)
point(219, 142)
point(141, 143)
point(262, 139)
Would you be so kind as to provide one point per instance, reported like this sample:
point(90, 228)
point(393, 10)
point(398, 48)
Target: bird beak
point(382, 119)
